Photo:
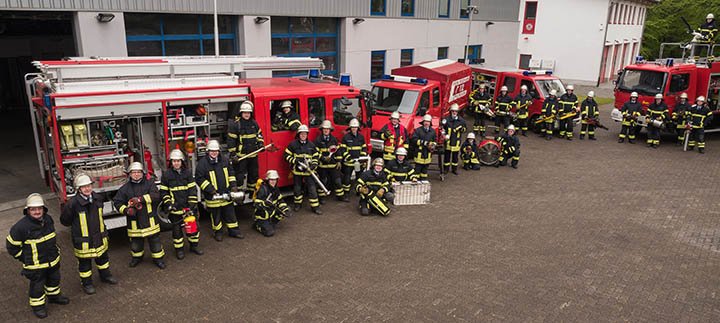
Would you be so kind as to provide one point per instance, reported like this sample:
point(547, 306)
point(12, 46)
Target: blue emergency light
point(638, 59)
point(548, 72)
point(345, 79)
point(670, 62)
point(420, 81)
point(528, 73)
point(387, 77)
point(314, 74)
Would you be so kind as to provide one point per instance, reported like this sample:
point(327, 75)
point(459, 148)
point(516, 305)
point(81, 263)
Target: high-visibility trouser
point(223, 214)
point(178, 233)
point(479, 124)
point(680, 130)
point(307, 184)
point(697, 135)
point(347, 172)
point(85, 267)
point(375, 203)
point(549, 127)
point(332, 180)
point(503, 121)
point(627, 131)
point(522, 123)
point(587, 128)
point(422, 170)
point(44, 283)
point(451, 158)
point(653, 136)
point(137, 247)
point(566, 127)
point(505, 155)
point(469, 160)
point(247, 166)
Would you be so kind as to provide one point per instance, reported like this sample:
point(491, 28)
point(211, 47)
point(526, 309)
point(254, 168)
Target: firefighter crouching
point(84, 214)
point(657, 110)
point(699, 117)
point(454, 127)
point(521, 103)
point(399, 168)
point(425, 139)
point(289, 120)
point(568, 106)
point(352, 147)
point(245, 137)
point(630, 111)
point(330, 163)
point(270, 208)
point(375, 191)
point(32, 242)
point(503, 104)
point(480, 101)
point(215, 177)
point(139, 199)
point(302, 156)
point(588, 110)
point(510, 144)
point(394, 136)
point(679, 117)
point(470, 153)
point(179, 197)
point(549, 112)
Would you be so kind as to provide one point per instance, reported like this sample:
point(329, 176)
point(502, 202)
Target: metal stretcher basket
point(409, 193)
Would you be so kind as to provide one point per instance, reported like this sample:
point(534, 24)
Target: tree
point(663, 24)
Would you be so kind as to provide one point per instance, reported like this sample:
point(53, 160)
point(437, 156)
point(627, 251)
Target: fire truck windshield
point(389, 99)
point(642, 81)
point(546, 86)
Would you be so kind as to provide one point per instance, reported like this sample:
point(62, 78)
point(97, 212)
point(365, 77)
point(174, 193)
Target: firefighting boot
point(236, 234)
point(701, 150)
point(592, 137)
point(195, 249)
point(514, 164)
point(582, 137)
point(632, 141)
point(40, 311)
point(108, 278)
point(134, 262)
point(180, 254)
point(159, 263)
point(364, 211)
point(569, 138)
point(297, 207)
point(218, 235)
point(59, 299)
point(317, 211)
point(649, 145)
point(454, 170)
point(343, 198)
point(321, 200)
point(88, 287)
point(621, 140)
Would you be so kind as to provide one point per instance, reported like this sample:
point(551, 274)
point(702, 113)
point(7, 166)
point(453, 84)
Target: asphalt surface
point(583, 231)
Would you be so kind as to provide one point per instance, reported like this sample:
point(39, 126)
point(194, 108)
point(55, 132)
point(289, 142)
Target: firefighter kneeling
point(269, 205)
point(470, 153)
point(374, 189)
point(510, 148)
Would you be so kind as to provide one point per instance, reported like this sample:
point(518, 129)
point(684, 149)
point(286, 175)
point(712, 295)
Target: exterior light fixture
point(105, 17)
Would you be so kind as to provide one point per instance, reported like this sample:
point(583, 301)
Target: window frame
point(521, 59)
point(200, 36)
point(378, 13)
point(384, 56)
point(412, 14)
point(314, 36)
point(514, 83)
point(320, 99)
point(404, 51)
point(476, 52)
point(466, 16)
point(686, 80)
point(447, 51)
point(296, 100)
point(447, 15)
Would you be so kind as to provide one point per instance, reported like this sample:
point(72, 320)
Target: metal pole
point(470, 10)
point(607, 20)
point(217, 38)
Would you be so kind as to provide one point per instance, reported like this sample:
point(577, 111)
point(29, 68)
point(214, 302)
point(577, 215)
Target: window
point(342, 114)
point(424, 104)
point(530, 15)
point(406, 57)
point(474, 53)
point(305, 37)
point(525, 61)
point(407, 8)
point(510, 83)
point(377, 65)
point(436, 96)
point(442, 53)
point(444, 9)
point(277, 112)
point(615, 13)
point(377, 7)
point(463, 8)
point(679, 82)
point(642, 81)
point(531, 87)
point(316, 111)
point(391, 100)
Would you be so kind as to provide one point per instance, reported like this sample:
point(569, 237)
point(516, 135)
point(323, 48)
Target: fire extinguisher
point(148, 160)
point(190, 222)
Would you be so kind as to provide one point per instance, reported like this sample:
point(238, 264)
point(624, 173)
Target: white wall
point(94, 38)
point(254, 40)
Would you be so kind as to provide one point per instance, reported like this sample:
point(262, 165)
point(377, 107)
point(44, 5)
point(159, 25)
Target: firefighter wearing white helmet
point(399, 168)
point(270, 208)
point(83, 213)
point(679, 117)
point(521, 103)
point(481, 101)
point(330, 162)
point(32, 242)
point(179, 195)
point(214, 175)
point(244, 140)
point(394, 136)
point(303, 157)
point(454, 127)
point(657, 110)
point(470, 153)
point(548, 112)
point(375, 189)
point(589, 113)
point(510, 148)
point(352, 147)
point(699, 117)
point(707, 31)
point(503, 105)
point(138, 200)
point(287, 119)
point(567, 111)
point(630, 111)
point(424, 140)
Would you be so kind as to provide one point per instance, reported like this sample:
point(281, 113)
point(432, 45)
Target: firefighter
point(399, 168)
point(352, 147)
point(470, 153)
point(503, 103)
point(425, 139)
point(510, 144)
point(522, 101)
point(289, 120)
point(245, 137)
point(657, 110)
point(215, 176)
point(454, 127)
point(302, 156)
point(630, 111)
point(589, 111)
point(270, 208)
point(394, 136)
point(549, 111)
point(139, 199)
point(699, 117)
point(330, 162)
point(179, 196)
point(32, 242)
point(375, 190)
point(705, 35)
point(679, 117)
point(83, 213)
point(480, 100)
point(568, 107)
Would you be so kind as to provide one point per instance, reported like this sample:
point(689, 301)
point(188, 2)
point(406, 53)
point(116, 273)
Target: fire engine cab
point(96, 115)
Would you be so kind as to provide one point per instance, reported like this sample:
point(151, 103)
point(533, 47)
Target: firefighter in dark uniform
point(32, 242)
point(215, 176)
point(179, 193)
point(270, 208)
point(245, 137)
point(522, 101)
point(699, 116)
point(588, 110)
point(630, 111)
point(375, 190)
point(330, 162)
point(454, 127)
point(470, 153)
point(503, 104)
point(289, 120)
point(549, 112)
point(84, 214)
point(705, 35)
point(678, 117)
point(139, 199)
point(424, 139)
point(399, 168)
point(657, 110)
point(568, 106)
point(510, 144)
point(302, 156)
point(352, 147)
point(480, 101)
point(394, 136)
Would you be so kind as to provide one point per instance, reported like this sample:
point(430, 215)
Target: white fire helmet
point(503, 88)
point(427, 117)
point(700, 99)
point(34, 200)
point(176, 154)
point(272, 174)
point(658, 96)
point(326, 124)
point(82, 180)
point(395, 115)
point(136, 166)
point(401, 151)
point(553, 92)
point(246, 106)
point(683, 96)
point(354, 123)
point(591, 94)
point(524, 87)
point(471, 136)
point(511, 127)
point(634, 95)
point(454, 107)
point(570, 87)
point(303, 128)
point(379, 162)
point(710, 16)
point(213, 145)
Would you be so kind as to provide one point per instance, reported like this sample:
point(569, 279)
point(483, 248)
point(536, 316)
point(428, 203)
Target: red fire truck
point(95, 116)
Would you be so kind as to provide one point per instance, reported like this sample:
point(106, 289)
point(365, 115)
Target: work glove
point(234, 189)
point(365, 190)
point(414, 179)
point(300, 167)
point(313, 166)
point(234, 159)
point(213, 192)
point(131, 211)
point(363, 165)
point(380, 192)
point(338, 166)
